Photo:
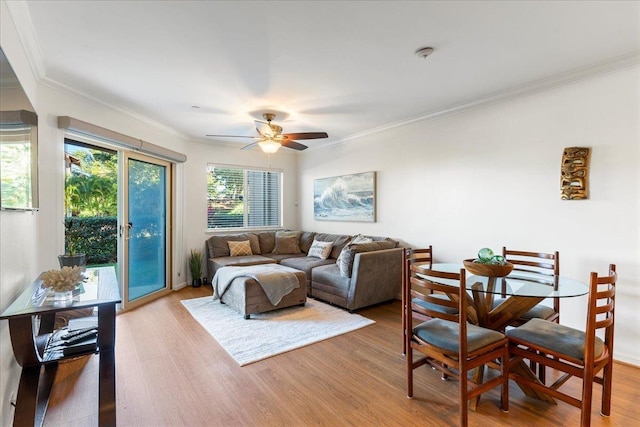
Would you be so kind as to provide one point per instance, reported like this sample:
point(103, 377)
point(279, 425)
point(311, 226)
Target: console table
point(31, 326)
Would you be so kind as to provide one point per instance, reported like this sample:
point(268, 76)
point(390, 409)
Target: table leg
point(499, 318)
point(520, 368)
point(478, 377)
point(107, 367)
point(33, 394)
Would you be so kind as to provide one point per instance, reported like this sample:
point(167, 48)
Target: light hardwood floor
point(170, 372)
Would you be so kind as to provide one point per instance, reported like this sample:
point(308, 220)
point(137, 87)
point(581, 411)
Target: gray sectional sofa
point(359, 271)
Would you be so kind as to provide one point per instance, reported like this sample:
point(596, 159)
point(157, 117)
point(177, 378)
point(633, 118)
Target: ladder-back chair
point(576, 353)
point(539, 263)
point(446, 341)
point(422, 257)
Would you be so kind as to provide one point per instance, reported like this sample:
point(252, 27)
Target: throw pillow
point(218, 246)
point(241, 248)
point(287, 245)
point(359, 238)
point(320, 250)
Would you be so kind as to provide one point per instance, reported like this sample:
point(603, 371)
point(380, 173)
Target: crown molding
point(19, 11)
point(527, 89)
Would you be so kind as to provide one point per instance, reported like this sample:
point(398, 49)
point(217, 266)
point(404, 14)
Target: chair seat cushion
point(444, 334)
point(435, 307)
point(540, 311)
point(557, 338)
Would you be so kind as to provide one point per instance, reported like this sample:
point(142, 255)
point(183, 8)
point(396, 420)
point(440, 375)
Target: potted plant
point(71, 236)
point(195, 267)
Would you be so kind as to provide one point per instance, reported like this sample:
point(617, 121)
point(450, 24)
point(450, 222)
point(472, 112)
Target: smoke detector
point(424, 52)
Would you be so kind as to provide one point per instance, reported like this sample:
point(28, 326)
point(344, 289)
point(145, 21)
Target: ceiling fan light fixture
point(269, 146)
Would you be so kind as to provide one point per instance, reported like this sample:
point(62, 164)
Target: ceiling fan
point(271, 138)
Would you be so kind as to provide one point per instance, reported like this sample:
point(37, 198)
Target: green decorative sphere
point(485, 255)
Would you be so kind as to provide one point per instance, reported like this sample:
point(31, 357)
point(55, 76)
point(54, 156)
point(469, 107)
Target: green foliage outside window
point(92, 190)
point(91, 204)
point(96, 237)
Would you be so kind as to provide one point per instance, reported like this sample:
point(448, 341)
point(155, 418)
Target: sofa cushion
point(218, 246)
point(320, 249)
point(240, 248)
point(348, 254)
point(287, 243)
point(338, 240)
point(305, 263)
point(306, 240)
point(239, 261)
point(267, 240)
point(328, 280)
point(279, 257)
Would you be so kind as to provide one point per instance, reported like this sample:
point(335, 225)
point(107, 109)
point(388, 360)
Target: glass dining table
point(498, 301)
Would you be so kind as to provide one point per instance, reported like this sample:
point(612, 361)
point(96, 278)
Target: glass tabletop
point(99, 287)
point(518, 283)
point(525, 284)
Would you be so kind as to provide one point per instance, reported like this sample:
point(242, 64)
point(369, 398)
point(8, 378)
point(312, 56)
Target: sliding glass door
point(146, 228)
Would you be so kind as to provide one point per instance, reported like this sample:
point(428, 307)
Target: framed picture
point(345, 198)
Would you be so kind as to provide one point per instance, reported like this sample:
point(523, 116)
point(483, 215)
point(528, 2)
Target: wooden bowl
point(489, 270)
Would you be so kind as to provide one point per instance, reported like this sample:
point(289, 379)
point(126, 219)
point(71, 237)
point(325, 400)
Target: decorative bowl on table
point(489, 270)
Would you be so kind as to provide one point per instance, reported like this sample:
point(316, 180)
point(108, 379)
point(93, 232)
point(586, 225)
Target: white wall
point(491, 177)
point(18, 233)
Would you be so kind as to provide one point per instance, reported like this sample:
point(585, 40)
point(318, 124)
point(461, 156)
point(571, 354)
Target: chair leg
point(404, 329)
point(542, 373)
point(606, 389)
point(587, 396)
point(409, 357)
point(464, 400)
point(532, 365)
point(504, 371)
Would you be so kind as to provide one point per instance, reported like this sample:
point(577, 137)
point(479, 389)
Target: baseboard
point(179, 286)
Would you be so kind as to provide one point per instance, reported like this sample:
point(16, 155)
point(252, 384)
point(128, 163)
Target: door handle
point(125, 230)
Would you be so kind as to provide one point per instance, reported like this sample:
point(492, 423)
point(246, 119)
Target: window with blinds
point(243, 198)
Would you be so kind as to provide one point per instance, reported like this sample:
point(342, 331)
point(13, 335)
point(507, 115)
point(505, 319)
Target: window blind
point(243, 198)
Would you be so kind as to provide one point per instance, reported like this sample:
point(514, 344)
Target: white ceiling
point(347, 68)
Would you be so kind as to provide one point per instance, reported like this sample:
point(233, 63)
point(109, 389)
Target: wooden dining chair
point(576, 353)
point(446, 341)
point(539, 263)
point(422, 257)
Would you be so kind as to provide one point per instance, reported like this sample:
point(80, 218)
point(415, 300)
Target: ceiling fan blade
point(248, 147)
point(264, 129)
point(234, 136)
point(306, 135)
point(293, 144)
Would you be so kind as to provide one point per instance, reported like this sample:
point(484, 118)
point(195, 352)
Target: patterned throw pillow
point(320, 250)
point(240, 248)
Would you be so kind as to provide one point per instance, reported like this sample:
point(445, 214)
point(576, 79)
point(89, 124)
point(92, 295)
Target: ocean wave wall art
point(345, 198)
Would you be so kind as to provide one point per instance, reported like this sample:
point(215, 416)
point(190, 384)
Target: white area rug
point(272, 333)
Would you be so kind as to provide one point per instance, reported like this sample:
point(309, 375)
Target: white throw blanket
point(276, 280)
